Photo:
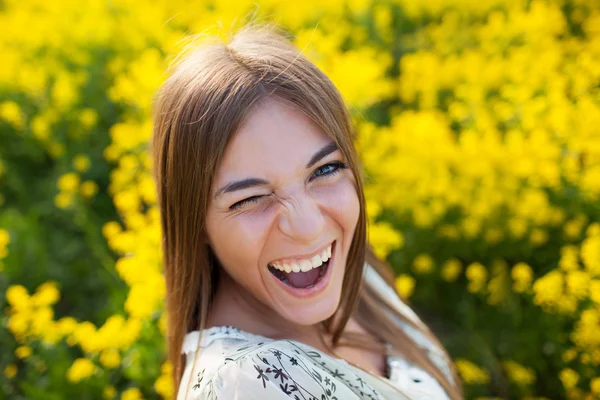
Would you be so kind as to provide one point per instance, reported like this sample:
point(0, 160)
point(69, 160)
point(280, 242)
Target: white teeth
point(305, 265)
point(324, 255)
point(316, 261)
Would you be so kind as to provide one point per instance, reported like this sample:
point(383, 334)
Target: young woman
point(272, 290)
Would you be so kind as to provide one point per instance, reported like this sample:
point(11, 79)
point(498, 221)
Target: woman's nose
point(302, 219)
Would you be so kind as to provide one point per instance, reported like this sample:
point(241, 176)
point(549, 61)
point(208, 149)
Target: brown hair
point(197, 111)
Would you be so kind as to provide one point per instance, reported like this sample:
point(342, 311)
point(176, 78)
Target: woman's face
point(283, 201)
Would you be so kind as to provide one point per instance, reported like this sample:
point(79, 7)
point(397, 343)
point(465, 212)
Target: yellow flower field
point(479, 132)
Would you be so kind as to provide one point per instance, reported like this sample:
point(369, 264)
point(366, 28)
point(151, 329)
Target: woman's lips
point(322, 279)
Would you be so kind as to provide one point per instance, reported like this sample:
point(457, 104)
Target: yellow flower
point(517, 227)
point(127, 201)
point(578, 283)
point(572, 228)
point(4, 238)
point(81, 162)
point(131, 332)
point(131, 394)
point(109, 392)
point(593, 230)
point(471, 227)
point(586, 334)
point(569, 355)
point(66, 325)
point(18, 323)
point(40, 126)
point(164, 383)
point(88, 189)
point(41, 320)
point(538, 237)
point(566, 304)
point(596, 356)
point(18, 297)
point(65, 90)
point(569, 378)
point(569, 258)
point(63, 200)
point(87, 336)
point(11, 112)
point(477, 276)
point(88, 117)
point(498, 285)
point(595, 385)
point(451, 269)
point(590, 253)
point(110, 358)
point(56, 149)
point(383, 238)
point(405, 285)
point(10, 371)
point(449, 231)
point(522, 275)
point(423, 264)
point(494, 235)
point(46, 294)
point(111, 229)
point(518, 373)
point(166, 368)
point(68, 182)
point(23, 351)
point(472, 374)
point(549, 290)
point(162, 323)
point(595, 291)
point(82, 368)
point(148, 192)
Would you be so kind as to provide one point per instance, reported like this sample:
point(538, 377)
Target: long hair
point(198, 110)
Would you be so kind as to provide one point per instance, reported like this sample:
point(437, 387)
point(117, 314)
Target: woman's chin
point(309, 314)
point(306, 311)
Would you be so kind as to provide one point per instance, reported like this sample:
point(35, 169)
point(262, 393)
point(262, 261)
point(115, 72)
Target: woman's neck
point(234, 306)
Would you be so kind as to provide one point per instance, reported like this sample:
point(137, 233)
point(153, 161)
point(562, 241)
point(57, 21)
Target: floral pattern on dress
point(299, 372)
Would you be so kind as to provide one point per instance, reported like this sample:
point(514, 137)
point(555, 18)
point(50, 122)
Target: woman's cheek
point(251, 234)
point(340, 198)
point(255, 225)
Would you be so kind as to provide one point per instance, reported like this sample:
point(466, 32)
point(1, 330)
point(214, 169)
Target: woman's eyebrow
point(325, 150)
point(251, 182)
point(241, 184)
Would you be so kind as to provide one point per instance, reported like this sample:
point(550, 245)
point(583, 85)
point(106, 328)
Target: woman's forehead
point(275, 134)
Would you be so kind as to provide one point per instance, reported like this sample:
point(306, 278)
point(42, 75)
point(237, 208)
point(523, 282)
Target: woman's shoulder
point(436, 354)
point(235, 364)
point(373, 278)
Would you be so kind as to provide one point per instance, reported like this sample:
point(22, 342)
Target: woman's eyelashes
point(241, 203)
point(323, 171)
point(330, 169)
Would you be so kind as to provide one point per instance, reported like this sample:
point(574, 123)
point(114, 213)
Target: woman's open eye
point(244, 202)
point(330, 169)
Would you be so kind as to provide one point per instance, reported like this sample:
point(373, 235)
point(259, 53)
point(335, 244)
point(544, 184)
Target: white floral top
point(237, 365)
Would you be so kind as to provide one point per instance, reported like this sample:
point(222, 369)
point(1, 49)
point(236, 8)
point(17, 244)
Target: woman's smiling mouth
point(304, 276)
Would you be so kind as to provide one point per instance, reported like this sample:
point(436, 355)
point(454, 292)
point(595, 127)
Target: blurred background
point(478, 126)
